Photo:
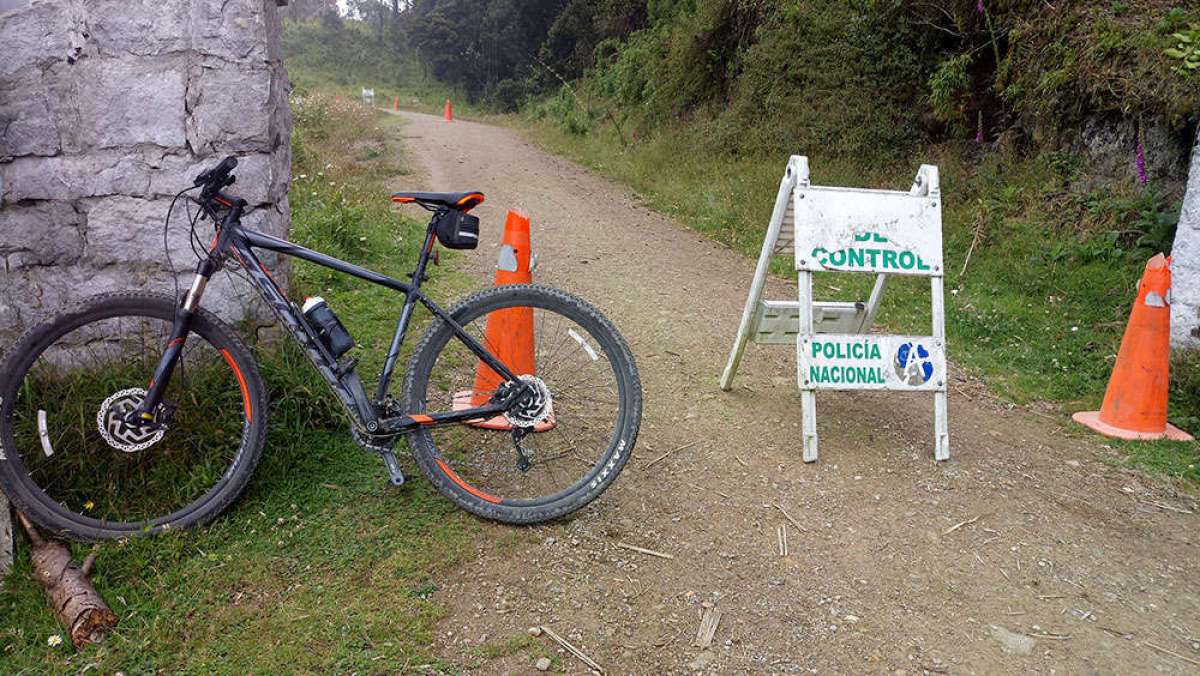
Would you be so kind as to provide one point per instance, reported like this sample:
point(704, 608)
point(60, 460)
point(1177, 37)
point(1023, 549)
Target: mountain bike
point(136, 412)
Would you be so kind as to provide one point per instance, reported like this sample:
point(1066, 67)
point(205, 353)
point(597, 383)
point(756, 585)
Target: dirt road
point(1028, 552)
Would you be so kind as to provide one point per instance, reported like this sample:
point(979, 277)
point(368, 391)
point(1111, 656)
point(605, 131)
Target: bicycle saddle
point(462, 201)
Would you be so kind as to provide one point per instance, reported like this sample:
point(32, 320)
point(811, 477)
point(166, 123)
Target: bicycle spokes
point(553, 436)
point(72, 430)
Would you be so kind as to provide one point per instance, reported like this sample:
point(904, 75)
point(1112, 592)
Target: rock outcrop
point(1185, 266)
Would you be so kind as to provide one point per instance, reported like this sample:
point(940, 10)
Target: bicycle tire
point(606, 467)
point(27, 496)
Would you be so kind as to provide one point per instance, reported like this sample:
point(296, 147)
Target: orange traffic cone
point(395, 103)
point(448, 112)
point(1135, 403)
point(509, 333)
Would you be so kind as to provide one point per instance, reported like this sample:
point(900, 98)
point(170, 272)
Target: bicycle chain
point(368, 444)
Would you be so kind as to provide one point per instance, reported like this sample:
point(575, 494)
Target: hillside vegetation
point(337, 56)
point(873, 77)
point(1061, 130)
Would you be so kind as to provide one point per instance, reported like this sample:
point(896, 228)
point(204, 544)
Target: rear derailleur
point(523, 462)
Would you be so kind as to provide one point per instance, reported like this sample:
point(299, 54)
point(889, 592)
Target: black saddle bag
point(457, 230)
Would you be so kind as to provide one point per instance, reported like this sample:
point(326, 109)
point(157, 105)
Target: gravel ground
point(1027, 552)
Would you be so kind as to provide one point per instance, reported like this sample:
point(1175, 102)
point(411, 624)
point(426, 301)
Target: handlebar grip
point(218, 173)
point(226, 165)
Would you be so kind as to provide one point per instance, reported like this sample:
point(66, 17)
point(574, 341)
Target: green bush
point(878, 78)
point(1186, 50)
point(949, 86)
point(625, 72)
point(1073, 61)
point(507, 95)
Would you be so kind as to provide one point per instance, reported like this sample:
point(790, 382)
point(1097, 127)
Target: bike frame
point(235, 241)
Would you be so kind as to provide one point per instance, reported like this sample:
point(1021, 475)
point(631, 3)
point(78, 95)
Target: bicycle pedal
point(395, 476)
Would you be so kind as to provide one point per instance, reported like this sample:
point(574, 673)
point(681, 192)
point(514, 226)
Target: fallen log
point(76, 604)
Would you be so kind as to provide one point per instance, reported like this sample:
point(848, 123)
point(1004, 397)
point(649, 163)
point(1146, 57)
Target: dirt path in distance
point(1028, 552)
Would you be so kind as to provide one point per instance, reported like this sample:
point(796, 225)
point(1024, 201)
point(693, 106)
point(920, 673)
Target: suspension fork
point(175, 343)
point(144, 414)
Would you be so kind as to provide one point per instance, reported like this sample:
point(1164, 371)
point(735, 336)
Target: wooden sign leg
point(808, 408)
point(747, 325)
point(873, 303)
point(941, 434)
point(941, 449)
point(760, 277)
point(808, 397)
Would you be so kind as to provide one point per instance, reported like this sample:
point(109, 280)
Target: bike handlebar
point(216, 178)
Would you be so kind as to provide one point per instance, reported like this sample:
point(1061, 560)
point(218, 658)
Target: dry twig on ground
point(708, 627)
point(643, 550)
point(571, 649)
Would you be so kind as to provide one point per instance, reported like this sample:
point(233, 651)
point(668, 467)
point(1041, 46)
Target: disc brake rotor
point(110, 420)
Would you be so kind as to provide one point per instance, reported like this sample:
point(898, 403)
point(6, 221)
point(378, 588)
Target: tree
point(479, 43)
point(308, 10)
point(570, 43)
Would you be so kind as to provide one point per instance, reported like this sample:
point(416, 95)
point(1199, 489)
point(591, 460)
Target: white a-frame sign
point(882, 232)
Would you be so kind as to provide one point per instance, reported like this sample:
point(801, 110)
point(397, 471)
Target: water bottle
point(329, 328)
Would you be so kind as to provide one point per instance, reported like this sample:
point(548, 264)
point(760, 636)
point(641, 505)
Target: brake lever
point(203, 211)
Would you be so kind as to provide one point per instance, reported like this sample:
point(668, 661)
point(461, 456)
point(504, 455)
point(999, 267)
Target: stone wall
point(107, 109)
point(1185, 266)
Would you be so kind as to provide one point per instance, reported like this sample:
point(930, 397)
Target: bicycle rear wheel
point(581, 431)
point(67, 459)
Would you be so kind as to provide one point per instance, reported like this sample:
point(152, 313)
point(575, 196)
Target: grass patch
point(319, 567)
point(1039, 310)
point(523, 643)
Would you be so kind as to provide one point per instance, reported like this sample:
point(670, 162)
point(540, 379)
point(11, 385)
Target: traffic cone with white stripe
point(1135, 403)
point(509, 333)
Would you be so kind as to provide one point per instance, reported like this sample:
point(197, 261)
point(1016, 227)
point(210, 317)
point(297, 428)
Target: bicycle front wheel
point(578, 434)
point(70, 462)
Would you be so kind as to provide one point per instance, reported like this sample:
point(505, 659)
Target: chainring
point(373, 444)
